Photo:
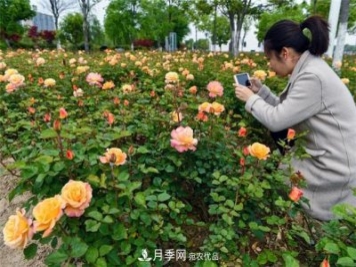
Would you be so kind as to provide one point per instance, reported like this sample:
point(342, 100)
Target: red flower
point(69, 154)
point(47, 117)
point(245, 151)
point(242, 162)
point(57, 125)
point(242, 132)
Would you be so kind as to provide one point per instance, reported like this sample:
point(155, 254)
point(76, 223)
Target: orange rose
point(290, 134)
point(47, 213)
point(114, 156)
point(63, 113)
point(295, 194)
point(77, 196)
point(259, 151)
point(108, 85)
point(325, 263)
point(17, 231)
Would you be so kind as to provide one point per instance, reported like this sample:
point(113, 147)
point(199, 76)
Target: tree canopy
point(12, 12)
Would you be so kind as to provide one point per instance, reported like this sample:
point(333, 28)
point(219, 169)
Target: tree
point(97, 35)
point(122, 21)
point(71, 28)
point(291, 11)
point(12, 12)
point(234, 11)
point(127, 20)
point(341, 33)
point(57, 7)
point(85, 7)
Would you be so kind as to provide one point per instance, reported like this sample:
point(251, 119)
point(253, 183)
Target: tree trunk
point(341, 35)
point(86, 34)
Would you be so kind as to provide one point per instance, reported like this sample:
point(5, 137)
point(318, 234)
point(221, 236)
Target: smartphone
point(243, 79)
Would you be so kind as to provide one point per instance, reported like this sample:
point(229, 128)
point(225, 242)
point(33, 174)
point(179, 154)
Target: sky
point(251, 40)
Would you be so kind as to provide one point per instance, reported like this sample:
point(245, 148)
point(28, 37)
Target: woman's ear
point(284, 53)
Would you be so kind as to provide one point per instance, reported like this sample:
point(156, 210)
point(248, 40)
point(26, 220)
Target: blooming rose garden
point(127, 154)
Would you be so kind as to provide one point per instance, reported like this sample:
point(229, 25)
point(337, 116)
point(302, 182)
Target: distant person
point(316, 101)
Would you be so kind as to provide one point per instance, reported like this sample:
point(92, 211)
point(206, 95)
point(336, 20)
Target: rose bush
point(127, 153)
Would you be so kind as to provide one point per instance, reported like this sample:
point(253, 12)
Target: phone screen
point(242, 79)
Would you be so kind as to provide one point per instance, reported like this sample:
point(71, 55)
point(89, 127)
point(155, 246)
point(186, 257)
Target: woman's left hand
point(242, 92)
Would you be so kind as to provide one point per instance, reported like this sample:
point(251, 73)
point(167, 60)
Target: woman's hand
point(242, 92)
point(255, 85)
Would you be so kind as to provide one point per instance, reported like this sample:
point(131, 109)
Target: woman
point(316, 101)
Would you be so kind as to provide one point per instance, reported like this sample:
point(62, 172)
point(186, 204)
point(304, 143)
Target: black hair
point(287, 33)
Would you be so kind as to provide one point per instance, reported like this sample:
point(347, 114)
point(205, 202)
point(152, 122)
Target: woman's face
point(277, 64)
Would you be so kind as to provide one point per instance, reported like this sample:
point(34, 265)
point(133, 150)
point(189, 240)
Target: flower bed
point(144, 158)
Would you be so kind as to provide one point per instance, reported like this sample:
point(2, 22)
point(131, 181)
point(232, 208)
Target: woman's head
point(289, 34)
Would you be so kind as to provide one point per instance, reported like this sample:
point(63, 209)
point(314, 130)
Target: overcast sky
point(251, 40)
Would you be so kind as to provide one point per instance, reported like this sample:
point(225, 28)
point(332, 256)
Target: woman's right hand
point(255, 85)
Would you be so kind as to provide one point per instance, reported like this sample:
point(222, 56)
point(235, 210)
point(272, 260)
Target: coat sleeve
point(266, 94)
point(302, 102)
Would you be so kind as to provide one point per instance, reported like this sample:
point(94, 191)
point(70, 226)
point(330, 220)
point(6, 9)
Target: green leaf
point(79, 248)
point(352, 252)
point(120, 232)
point(56, 257)
point(290, 261)
point(48, 133)
point(92, 254)
point(163, 197)
point(28, 172)
point(142, 150)
point(92, 226)
point(345, 261)
point(101, 262)
point(44, 159)
point(105, 249)
point(58, 166)
point(145, 170)
point(123, 176)
point(95, 215)
point(30, 251)
point(140, 199)
point(108, 219)
point(332, 248)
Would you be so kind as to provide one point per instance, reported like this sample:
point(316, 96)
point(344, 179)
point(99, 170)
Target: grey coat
point(315, 100)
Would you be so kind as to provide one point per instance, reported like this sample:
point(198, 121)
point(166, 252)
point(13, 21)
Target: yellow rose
point(77, 196)
point(47, 213)
point(40, 61)
point(345, 80)
point(17, 231)
point(206, 106)
point(16, 79)
point(259, 151)
point(176, 116)
point(216, 108)
point(49, 82)
point(172, 77)
point(114, 156)
point(127, 88)
point(260, 74)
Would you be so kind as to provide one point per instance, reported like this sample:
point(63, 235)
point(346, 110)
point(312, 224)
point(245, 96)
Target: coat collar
point(302, 60)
